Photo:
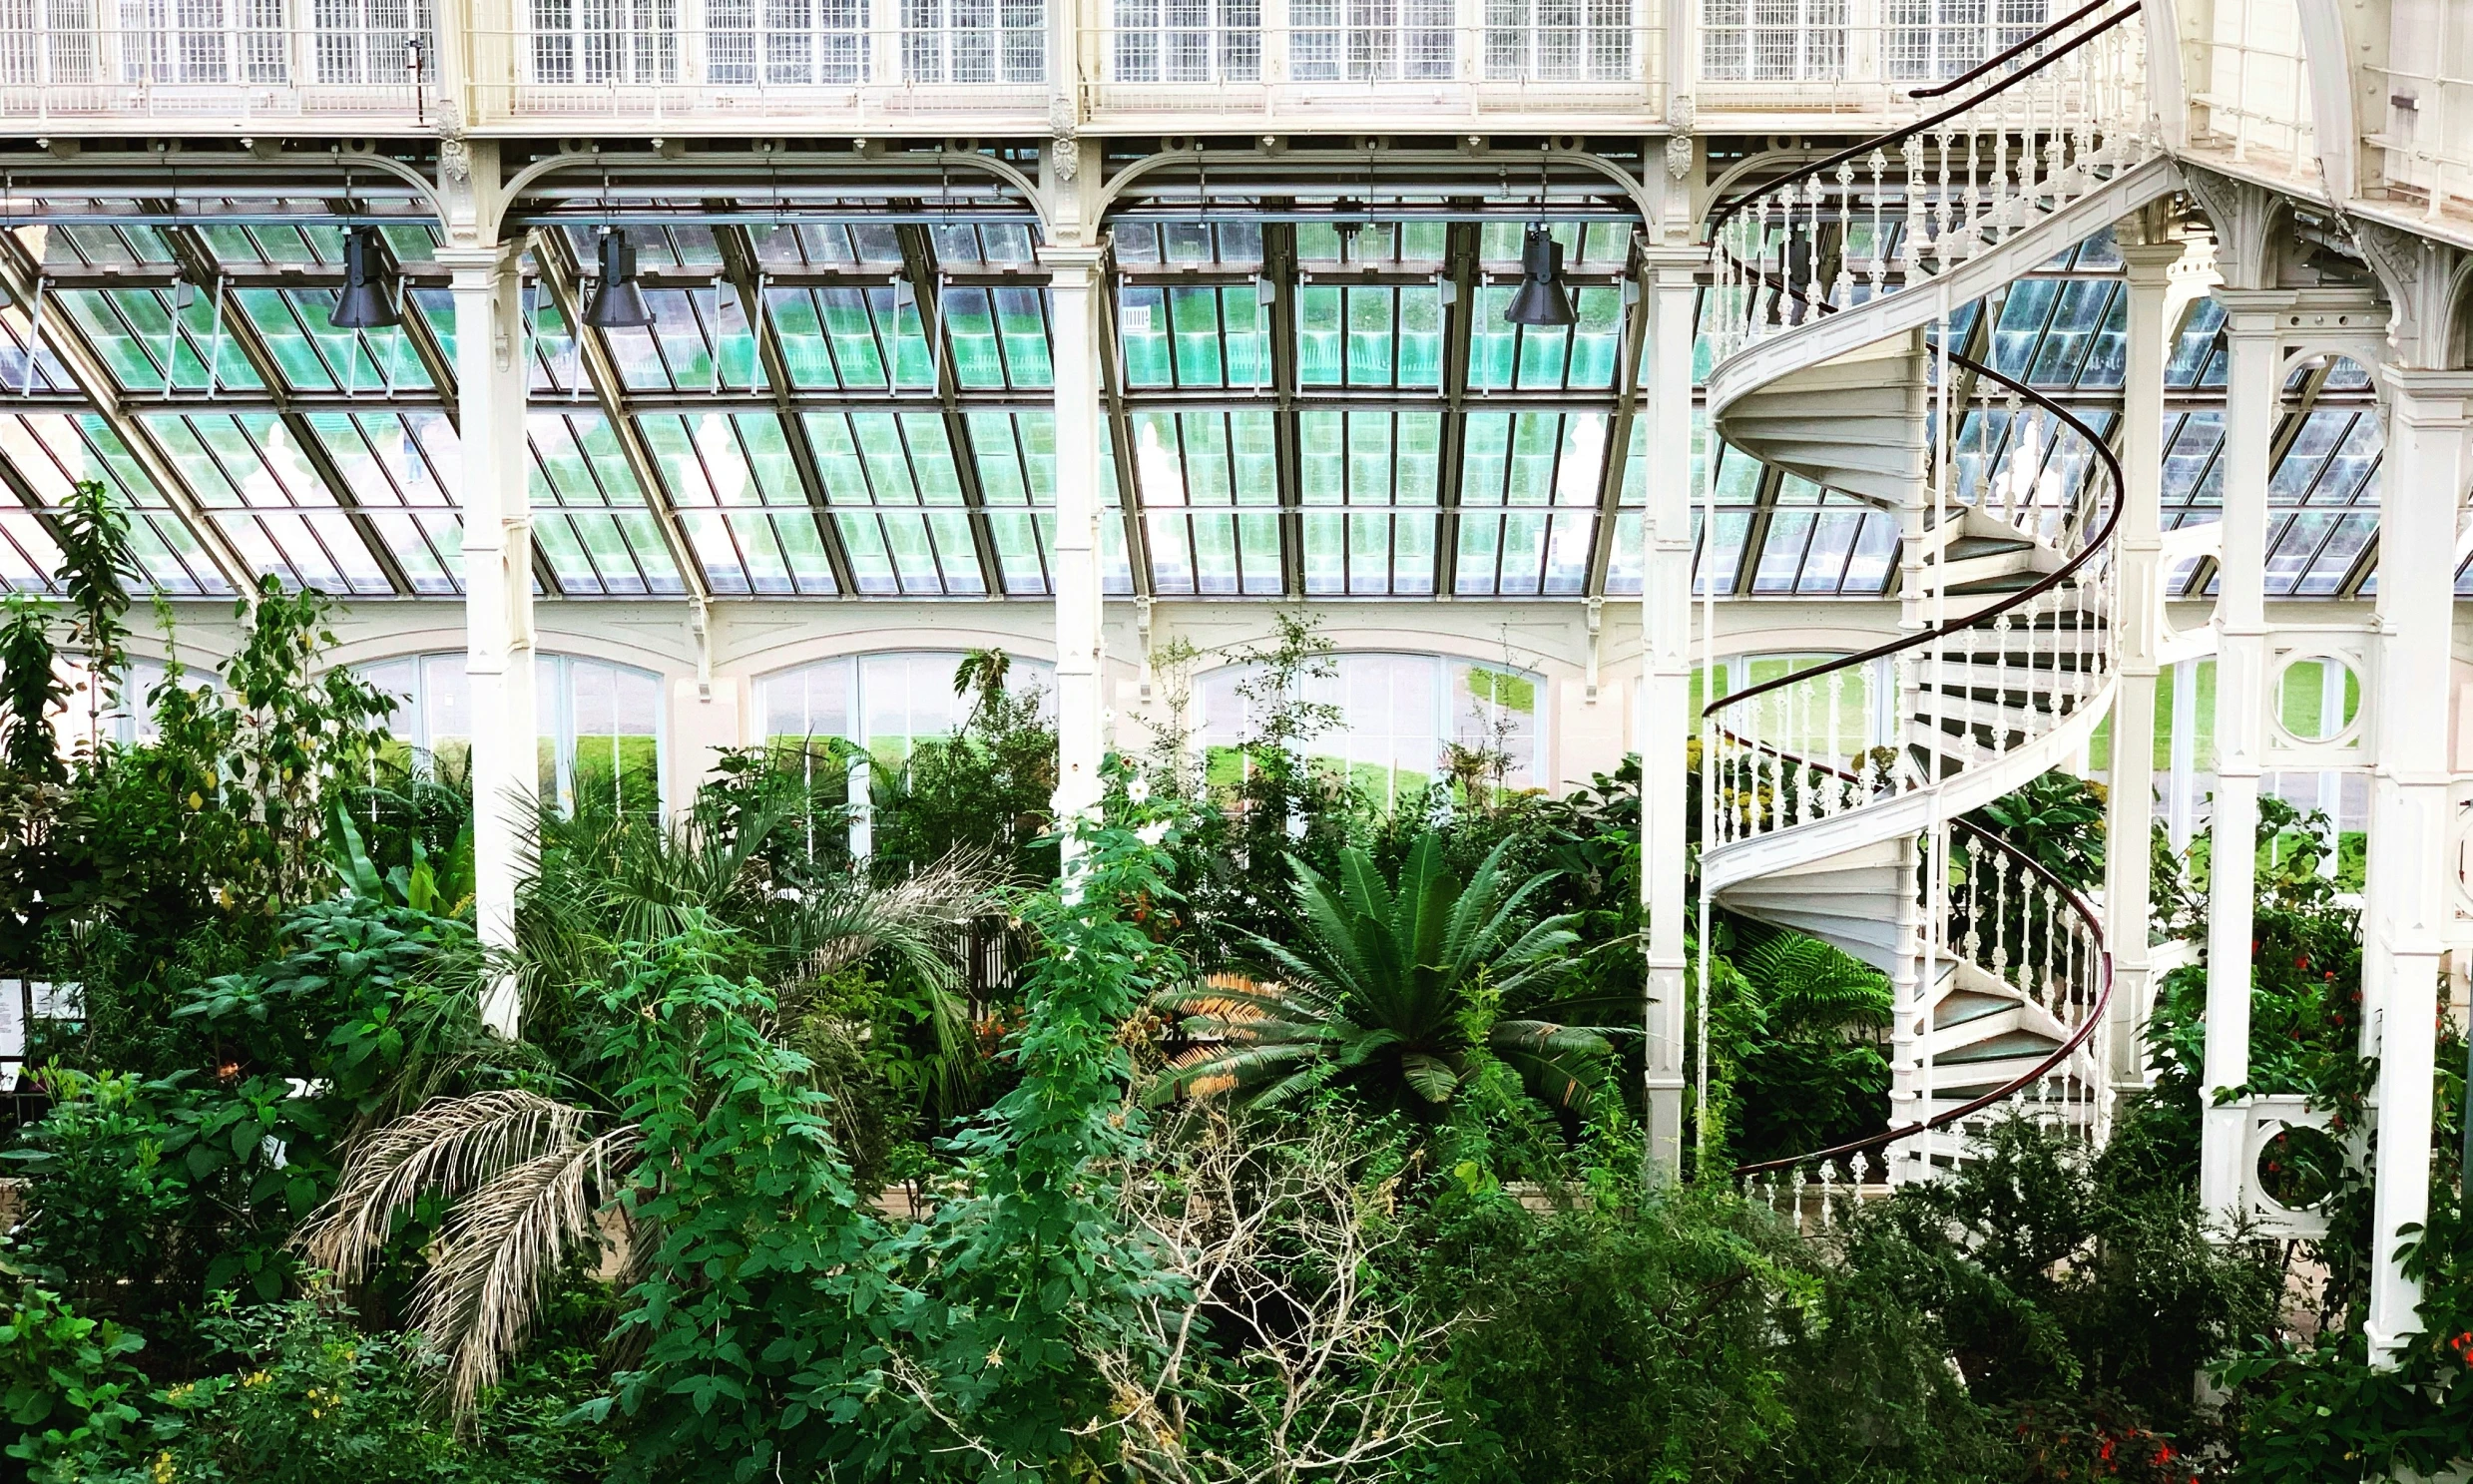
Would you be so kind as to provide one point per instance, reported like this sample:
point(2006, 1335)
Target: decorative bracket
point(1597, 627)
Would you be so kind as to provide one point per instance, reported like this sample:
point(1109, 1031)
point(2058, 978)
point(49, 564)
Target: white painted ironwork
point(2011, 598)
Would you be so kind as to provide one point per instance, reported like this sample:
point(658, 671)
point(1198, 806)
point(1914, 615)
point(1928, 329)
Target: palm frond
point(504, 1245)
point(1547, 1035)
point(1430, 1075)
point(1333, 933)
point(449, 1146)
point(1208, 1071)
point(1560, 1079)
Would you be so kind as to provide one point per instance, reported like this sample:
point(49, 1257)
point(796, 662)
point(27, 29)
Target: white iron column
point(2140, 619)
point(498, 633)
point(1665, 718)
point(1080, 711)
point(2252, 394)
point(2422, 486)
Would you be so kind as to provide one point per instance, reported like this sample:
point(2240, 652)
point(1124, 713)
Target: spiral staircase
point(1835, 284)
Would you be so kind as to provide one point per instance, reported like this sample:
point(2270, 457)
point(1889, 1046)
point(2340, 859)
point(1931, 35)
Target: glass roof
point(1319, 409)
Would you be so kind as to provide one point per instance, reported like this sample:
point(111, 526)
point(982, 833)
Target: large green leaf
point(1429, 1076)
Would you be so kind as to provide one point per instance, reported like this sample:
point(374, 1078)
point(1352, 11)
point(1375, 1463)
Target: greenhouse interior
point(1206, 741)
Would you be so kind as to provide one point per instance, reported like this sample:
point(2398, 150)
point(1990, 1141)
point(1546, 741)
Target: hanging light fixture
point(1541, 300)
point(618, 299)
point(365, 303)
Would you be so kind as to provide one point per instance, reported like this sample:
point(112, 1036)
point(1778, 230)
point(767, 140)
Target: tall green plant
point(762, 1290)
point(30, 691)
point(1017, 1282)
point(95, 568)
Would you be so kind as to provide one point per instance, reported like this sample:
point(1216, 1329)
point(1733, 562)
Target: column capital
point(475, 265)
point(2150, 265)
point(1664, 266)
point(1079, 259)
point(2428, 400)
point(2255, 313)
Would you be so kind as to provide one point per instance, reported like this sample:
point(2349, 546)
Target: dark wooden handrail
point(2095, 1018)
point(1724, 212)
point(2051, 580)
point(2038, 39)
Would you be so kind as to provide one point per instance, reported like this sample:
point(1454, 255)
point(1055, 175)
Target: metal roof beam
point(198, 266)
point(19, 274)
point(737, 251)
point(563, 280)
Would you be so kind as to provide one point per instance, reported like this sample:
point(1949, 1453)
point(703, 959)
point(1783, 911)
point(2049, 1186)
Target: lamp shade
point(1541, 300)
point(365, 303)
point(618, 299)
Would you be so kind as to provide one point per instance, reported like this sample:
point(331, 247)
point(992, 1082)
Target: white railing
point(2026, 934)
point(1974, 686)
point(1436, 56)
point(2250, 82)
point(2429, 134)
point(236, 59)
point(783, 60)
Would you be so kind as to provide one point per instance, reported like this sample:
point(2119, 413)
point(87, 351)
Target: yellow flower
point(196, 800)
point(162, 1472)
point(182, 1392)
point(255, 1378)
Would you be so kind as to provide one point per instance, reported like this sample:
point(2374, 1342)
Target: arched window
point(881, 702)
point(599, 724)
point(1400, 718)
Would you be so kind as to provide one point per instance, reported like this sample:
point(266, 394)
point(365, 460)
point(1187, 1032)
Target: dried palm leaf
point(502, 1248)
point(449, 1146)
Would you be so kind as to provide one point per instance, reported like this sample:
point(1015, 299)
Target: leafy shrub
point(65, 1383)
point(309, 1399)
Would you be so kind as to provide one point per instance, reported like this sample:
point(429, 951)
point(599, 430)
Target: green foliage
point(2058, 822)
point(95, 568)
point(1018, 1280)
point(66, 1381)
point(1683, 1336)
point(1269, 800)
point(1798, 1028)
point(989, 786)
point(752, 1314)
point(145, 1195)
point(309, 1399)
point(1402, 995)
point(30, 691)
point(2070, 1293)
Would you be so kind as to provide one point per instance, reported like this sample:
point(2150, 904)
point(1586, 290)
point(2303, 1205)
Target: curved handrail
point(2085, 553)
point(1986, 65)
point(1726, 211)
point(2095, 1008)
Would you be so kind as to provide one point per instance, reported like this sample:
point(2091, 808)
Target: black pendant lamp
point(1541, 300)
point(618, 299)
point(365, 303)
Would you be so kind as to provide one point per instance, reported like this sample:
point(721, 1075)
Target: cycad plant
point(1395, 991)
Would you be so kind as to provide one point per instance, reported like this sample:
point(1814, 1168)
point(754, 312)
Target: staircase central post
point(1666, 717)
point(2130, 815)
point(2252, 394)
